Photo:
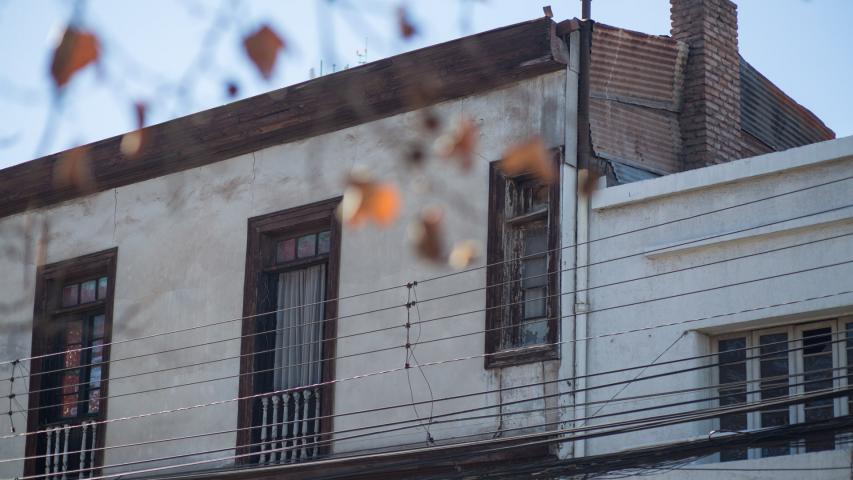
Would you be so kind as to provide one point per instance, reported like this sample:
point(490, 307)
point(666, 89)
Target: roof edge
point(724, 173)
point(376, 90)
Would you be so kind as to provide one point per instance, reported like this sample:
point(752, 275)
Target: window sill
point(529, 355)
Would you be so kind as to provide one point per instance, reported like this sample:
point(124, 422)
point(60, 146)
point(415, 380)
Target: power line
point(408, 305)
point(481, 267)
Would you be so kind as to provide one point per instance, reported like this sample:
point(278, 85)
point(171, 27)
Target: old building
point(198, 309)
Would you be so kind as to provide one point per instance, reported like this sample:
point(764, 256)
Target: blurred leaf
point(415, 156)
point(529, 156)
point(77, 49)
point(262, 48)
point(232, 88)
point(72, 169)
point(131, 143)
point(407, 29)
point(590, 181)
point(431, 121)
point(140, 109)
point(459, 145)
point(427, 235)
point(463, 253)
point(368, 200)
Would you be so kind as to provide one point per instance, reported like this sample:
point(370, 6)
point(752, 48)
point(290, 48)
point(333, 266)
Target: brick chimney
point(710, 113)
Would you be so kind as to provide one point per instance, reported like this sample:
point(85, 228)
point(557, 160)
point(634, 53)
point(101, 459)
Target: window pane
point(94, 401)
point(324, 241)
point(849, 335)
point(817, 375)
point(95, 377)
point(534, 303)
point(69, 406)
point(732, 370)
point(307, 246)
point(102, 288)
point(97, 351)
point(69, 295)
point(534, 333)
point(774, 363)
point(70, 382)
point(88, 291)
point(72, 356)
point(535, 240)
point(534, 272)
point(286, 250)
point(74, 333)
point(98, 326)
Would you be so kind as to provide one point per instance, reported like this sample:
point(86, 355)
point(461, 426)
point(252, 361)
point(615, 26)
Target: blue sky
point(149, 46)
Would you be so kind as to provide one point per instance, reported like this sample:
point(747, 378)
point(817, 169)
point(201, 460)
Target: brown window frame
point(263, 232)
point(499, 271)
point(49, 282)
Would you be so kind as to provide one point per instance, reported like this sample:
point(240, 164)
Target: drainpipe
point(584, 158)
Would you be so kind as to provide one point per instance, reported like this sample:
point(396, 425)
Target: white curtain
point(299, 327)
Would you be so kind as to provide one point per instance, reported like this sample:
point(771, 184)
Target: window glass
point(817, 375)
point(732, 378)
point(324, 241)
point(102, 288)
point(286, 250)
point(69, 295)
point(88, 291)
point(774, 384)
point(307, 246)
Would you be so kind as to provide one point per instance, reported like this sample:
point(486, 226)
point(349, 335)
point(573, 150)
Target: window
point(289, 330)
point(72, 318)
point(778, 362)
point(522, 302)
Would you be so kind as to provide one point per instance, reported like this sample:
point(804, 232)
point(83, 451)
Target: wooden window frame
point(49, 281)
point(497, 273)
point(263, 231)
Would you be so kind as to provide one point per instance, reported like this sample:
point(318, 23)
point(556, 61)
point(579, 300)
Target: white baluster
point(298, 398)
point(306, 403)
point(264, 402)
point(285, 426)
point(316, 422)
point(48, 455)
point(274, 436)
point(92, 450)
point(84, 429)
point(63, 466)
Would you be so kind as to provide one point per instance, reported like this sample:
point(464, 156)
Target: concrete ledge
point(678, 183)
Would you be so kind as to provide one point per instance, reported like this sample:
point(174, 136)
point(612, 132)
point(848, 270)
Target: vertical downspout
point(584, 157)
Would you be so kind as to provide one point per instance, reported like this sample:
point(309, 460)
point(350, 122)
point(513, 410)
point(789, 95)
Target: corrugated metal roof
point(635, 90)
point(773, 117)
point(628, 174)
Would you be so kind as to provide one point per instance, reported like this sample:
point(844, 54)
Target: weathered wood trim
point(262, 231)
point(100, 263)
point(373, 91)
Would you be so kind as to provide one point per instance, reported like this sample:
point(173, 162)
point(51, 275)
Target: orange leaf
point(427, 235)
point(460, 144)
point(72, 169)
point(463, 253)
point(367, 200)
point(131, 143)
point(407, 29)
point(528, 157)
point(263, 47)
point(77, 49)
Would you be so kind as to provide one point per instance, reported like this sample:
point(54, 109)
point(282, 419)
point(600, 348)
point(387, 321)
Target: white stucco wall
point(653, 251)
point(181, 242)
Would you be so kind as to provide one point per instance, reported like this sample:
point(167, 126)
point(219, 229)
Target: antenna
point(362, 56)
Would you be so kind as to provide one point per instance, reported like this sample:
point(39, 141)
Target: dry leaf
point(232, 88)
point(140, 109)
point(72, 169)
point(590, 181)
point(76, 50)
point(528, 157)
point(407, 29)
point(459, 145)
point(463, 253)
point(367, 200)
point(415, 156)
point(263, 47)
point(427, 235)
point(131, 143)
